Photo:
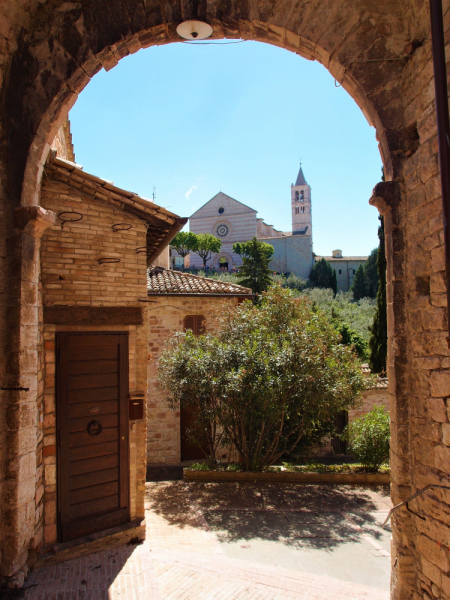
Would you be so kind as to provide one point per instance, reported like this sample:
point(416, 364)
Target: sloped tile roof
point(166, 281)
point(379, 382)
point(341, 259)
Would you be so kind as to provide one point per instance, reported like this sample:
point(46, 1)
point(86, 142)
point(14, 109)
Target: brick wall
point(165, 317)
point(70, 270)
point(72, 276)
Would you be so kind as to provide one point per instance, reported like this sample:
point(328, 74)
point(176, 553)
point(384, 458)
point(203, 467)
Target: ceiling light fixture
point(194, 30)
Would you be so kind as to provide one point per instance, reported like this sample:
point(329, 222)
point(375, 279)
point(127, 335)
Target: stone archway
point(379, 52)
point(224, 258)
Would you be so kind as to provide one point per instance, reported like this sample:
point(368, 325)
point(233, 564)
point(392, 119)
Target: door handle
point(94, 428)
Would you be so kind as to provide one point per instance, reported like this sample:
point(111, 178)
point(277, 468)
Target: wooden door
point(189, 450)
point(92, 393)
point(338, 445)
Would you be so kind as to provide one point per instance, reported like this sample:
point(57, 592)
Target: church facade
point(232, 221)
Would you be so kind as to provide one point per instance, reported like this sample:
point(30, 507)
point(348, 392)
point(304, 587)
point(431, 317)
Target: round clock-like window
point(221, 210)
point(222, 230)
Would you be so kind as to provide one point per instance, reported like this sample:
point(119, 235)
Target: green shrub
point(266, 380)
point(368, 438)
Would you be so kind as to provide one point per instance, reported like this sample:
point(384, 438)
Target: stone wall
point(165, 316)
point(292, 254)
point(63, 142)
point(374, 397)
point(380, 52)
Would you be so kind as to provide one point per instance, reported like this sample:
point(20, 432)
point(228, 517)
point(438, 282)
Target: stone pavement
point(239, 541)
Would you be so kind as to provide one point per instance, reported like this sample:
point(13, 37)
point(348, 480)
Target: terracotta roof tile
point(166, 281)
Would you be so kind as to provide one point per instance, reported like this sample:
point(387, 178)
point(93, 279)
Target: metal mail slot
point(136, 409)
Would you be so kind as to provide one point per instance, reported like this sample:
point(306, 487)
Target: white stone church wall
point(293, 254)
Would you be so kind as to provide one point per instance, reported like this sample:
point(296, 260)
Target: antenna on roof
point(154, 195)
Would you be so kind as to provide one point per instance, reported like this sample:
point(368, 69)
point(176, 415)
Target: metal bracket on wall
point(121, 227)
point(77, 217)
point(408, 500)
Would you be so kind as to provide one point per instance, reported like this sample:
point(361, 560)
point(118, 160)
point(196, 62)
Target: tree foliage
point(255, 272)
point(184, 242)
point(323, 275)
point(357, 315)
point(360, 287)
point(371, 272)
point(207, 244)
point(350, 337)
point(378, 339)
point(368, 438)
point(268, 377)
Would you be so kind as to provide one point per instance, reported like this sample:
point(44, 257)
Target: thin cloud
point(189, 192)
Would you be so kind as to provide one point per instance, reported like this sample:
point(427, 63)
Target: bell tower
point(301, 206)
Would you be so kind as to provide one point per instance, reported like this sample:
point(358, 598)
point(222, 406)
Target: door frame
point(124, 451)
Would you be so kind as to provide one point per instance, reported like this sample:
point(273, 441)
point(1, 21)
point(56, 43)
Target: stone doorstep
point(288, 477)
point(134, 531)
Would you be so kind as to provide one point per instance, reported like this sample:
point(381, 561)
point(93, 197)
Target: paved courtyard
point(239, 541)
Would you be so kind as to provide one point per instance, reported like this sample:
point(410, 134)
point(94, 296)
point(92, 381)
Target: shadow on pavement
point(313, 516)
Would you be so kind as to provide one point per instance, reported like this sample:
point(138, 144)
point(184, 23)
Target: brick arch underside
point(52, 51)
point(67, 44)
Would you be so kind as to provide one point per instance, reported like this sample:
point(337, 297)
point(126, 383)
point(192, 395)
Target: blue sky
point(196, 119)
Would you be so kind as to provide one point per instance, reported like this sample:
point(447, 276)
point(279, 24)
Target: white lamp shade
point(194, 30)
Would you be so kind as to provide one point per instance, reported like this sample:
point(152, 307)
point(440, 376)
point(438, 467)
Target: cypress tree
point(360, 287)
point(255, 272)
point(334, 282)
point(371, 271)
point(378, 339)
point(323, 275)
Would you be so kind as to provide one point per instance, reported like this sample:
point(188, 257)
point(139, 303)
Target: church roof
point(300, 178)
point(168, 282)
point(222, 196)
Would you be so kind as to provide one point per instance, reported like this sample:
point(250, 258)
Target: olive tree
point(184, 242)
point(268, 377)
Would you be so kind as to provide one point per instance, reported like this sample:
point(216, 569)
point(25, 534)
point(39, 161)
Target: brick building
point(91, 454)
point(179, 301)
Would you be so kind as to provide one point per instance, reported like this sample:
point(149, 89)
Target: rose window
point(222, 230)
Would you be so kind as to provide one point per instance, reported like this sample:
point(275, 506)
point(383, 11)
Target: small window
point(196, 323)
point(296, 196)
point(221, 210)
point(302, 195)
point(340, 271)
point(296, 210)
